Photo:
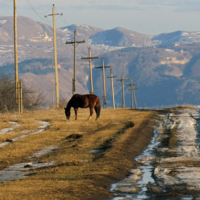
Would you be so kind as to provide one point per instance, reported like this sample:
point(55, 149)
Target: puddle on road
point(138, 182)
point(21, 170)
point(96, 151)
point(161, 169)
point(43, 151)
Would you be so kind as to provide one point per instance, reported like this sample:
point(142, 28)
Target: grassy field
point(77, 173)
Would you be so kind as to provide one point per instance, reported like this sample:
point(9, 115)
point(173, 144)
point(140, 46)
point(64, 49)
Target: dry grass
point(185, 106)
point(77, 174)
point(4, 123)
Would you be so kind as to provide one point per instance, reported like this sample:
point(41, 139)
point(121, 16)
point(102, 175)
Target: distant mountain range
point(165, 66)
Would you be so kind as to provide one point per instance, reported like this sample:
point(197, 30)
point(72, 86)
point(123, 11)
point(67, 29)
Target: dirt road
point(88, 158)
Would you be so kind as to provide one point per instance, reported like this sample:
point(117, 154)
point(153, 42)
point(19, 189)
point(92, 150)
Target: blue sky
point(144, 16)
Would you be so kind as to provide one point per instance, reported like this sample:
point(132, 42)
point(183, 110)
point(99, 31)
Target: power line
point(20, 15)
point(28, 1)
point(58, 17)
point(7, 1)
point(63, 19)
point(30, 5)
point(17, 12)
point(48, 22)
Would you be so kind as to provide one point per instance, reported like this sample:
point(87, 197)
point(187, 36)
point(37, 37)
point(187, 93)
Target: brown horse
point(84, 101)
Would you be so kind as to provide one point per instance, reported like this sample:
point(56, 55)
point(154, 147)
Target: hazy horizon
point(144, 16)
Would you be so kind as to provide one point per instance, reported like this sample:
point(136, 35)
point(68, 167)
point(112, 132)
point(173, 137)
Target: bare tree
point(32, 98)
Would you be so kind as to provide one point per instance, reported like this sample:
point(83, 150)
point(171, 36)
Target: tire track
point(41, 129)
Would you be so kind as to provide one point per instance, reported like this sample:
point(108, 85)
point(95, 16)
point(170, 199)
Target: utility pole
point(90, 66)
point(132, 91)
point(104, 84)
point(135, 96)
point(20, 97)
point(15, 51)
point(113, 95)
point(123, 97)
point(53, 94)
point(74, 43)
point(55, 55)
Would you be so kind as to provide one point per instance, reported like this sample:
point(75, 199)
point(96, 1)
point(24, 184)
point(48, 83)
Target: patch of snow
point(2, 22)
point(170, 50)
point(169, 172)
point(20, 170)
point(187, 150)
point(8, 130)
point(185, 34)
point(41, 129)
point(44, 151)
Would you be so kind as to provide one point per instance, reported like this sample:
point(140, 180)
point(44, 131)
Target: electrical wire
point(11, 2)
point(30, 5)
point(48, 21)
point(38, 14)
point(7, 1)
point(18, 14)
point(63, 19)
point(36, 11)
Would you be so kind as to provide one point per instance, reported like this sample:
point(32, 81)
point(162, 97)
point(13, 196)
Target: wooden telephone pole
point(18, 85)
point(104, 84)
point(15, 51)
point(133, 92)
point(90, 66)
point(123, 97)
point(20, 97)
point(113, 95)
point(74, 43)
point(53, 94)
point(135, 96)
point(55, 55)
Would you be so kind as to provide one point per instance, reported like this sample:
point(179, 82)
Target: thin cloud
point(192, 6)
point(177, 5)
point(106, 7)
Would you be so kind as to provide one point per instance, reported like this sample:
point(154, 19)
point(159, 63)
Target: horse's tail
point(98, 107)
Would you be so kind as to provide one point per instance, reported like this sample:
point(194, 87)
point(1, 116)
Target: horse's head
point(67, 113)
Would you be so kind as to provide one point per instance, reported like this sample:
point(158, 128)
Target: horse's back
point(85, 100)
point(85, 96)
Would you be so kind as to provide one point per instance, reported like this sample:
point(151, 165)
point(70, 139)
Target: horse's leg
point(76, 111)
point(96, 111)
point(91, 112)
